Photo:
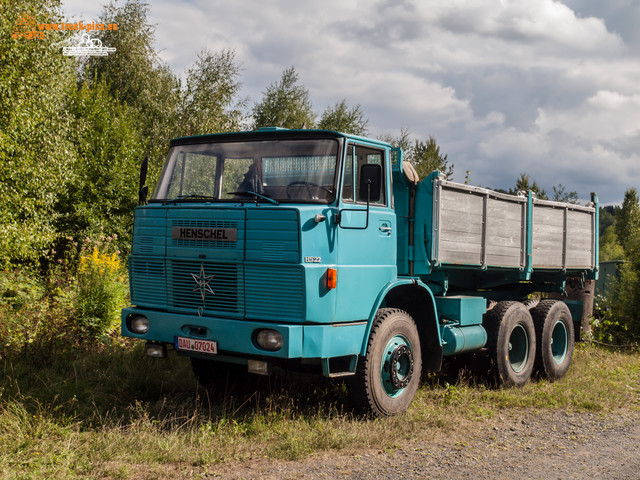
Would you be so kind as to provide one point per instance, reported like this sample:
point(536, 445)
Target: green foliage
point(607, 218)
point(136, 76)
point(35, 153)
point(341, 118)
point(425, 156)
point(618, 317)
point(110, 147)
point(284, 104)
point(402, 141)
point(610, 248)
point(524, 184)
point(210, 101)
point(21, 293)
point(628, 221)
point(561, 195)
point(34, 313)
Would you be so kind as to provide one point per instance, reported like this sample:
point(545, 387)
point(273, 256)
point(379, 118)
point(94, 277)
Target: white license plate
point(195, 345)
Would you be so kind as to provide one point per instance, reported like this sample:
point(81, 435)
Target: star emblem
point(202, 283)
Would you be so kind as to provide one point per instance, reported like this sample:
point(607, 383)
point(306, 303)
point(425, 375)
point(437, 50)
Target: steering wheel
point(298, 183)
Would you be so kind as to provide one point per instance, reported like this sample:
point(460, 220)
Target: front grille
point(225, 280)
point(275, 292)
point(148, 282)
point(146, 245)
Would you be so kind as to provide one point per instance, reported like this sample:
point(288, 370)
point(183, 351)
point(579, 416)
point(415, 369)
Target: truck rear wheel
point(387, 378)
point(512, 342)
point(554, 331)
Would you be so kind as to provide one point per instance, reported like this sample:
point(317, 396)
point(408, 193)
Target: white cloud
point(505, 85)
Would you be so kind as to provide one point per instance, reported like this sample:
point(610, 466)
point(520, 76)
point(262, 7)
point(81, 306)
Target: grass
point(114, 413)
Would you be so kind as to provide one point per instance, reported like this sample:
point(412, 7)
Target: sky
point(550, 88)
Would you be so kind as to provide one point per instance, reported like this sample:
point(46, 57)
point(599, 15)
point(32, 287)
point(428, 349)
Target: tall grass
point(114, 413)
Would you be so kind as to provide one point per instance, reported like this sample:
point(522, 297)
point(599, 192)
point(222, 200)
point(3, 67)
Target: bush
point(606, 326)
point(102, 287)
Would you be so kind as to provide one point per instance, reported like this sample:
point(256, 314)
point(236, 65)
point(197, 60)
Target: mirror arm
point(338, 216)
point(144, 189)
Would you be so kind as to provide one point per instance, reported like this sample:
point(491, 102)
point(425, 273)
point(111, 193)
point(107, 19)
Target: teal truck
point(323, 252)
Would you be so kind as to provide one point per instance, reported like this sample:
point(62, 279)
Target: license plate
point(195, 345)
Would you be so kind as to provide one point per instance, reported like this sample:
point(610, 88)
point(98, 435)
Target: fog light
point(258, 366)
point(156, 350)
point(269, 340)
point(139, 324)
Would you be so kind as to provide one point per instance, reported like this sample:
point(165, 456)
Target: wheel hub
point(401, 366)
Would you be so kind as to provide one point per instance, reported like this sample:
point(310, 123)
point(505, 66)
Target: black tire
point(556, 338)
point(387, 378)
point(511, 341)
point(218, 377)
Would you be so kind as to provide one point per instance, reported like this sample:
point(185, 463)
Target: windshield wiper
point(193, 195)
point(251, 193)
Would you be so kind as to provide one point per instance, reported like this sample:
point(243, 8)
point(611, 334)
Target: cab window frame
point(358, 154)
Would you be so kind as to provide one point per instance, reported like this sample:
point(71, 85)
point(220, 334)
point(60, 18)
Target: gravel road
point(529, 445)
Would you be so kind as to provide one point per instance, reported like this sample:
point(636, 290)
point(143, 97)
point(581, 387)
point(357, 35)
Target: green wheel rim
point(402, 364)
point(518, 348)
point(559, 342)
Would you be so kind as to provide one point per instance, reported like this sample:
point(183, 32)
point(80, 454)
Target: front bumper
point(237, 337)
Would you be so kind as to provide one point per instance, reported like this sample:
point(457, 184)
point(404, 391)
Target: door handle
point(385, 229)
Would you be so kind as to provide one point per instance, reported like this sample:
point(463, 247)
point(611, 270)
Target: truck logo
point(202, 283)
point(206, 234)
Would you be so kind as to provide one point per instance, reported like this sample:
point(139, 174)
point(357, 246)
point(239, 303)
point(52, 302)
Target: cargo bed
point(481, 228)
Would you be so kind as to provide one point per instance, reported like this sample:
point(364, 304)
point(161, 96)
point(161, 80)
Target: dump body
point(522, 237)
point(305, 249)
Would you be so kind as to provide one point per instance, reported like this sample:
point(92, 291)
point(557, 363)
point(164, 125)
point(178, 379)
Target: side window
point(356, 157)
point(347, 185)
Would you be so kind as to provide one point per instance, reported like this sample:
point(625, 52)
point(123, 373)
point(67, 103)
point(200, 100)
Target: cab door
point(366, 240)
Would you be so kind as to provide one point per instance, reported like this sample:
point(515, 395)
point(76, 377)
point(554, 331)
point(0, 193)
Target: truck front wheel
point(511, 340)
point(387, 378)
point(554, 330)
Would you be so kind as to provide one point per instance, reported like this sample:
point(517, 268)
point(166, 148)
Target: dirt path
point(535, 445)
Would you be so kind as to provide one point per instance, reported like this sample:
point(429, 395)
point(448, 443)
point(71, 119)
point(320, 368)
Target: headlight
point(139, 324)
point(269, 340)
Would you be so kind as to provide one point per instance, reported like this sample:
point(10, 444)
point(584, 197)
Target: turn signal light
point(332, 278)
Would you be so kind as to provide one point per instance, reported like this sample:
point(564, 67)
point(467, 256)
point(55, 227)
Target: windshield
point(267, 170)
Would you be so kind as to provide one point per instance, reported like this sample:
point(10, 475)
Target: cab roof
point(271, 133)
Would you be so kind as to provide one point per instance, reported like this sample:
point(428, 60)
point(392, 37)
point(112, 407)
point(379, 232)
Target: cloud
point(506, 86)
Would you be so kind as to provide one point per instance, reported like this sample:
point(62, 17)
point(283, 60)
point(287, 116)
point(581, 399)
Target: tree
point(35, 153)
point(524, 184)
point(109, 146)
point(341, 118)
point(622, 315)
point(210, 100)
point(402, 141)
point(284, 104)
point(607, 218)
point(628, 221)
point(136, 76)
point(610, 248)
point(426, 157)
point(561, 195)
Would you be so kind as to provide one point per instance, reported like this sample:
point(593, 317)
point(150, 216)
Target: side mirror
point(370, 182)
point(143, 190)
